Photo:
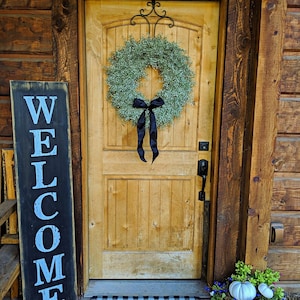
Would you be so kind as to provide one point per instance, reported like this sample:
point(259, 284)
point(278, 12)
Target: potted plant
point(246, 284)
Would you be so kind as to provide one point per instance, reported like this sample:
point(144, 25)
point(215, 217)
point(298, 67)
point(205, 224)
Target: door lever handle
point(202, 172)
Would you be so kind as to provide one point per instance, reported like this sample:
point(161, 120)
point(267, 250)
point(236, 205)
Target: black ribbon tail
point(153, 128)
point(139, 103)
point(141, 134)
point(153, 136)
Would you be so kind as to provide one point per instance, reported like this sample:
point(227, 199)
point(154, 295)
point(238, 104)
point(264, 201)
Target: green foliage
point(128, 66)
point(219, 290)
point(278, 293)
point(244, 272)
point(268, 276)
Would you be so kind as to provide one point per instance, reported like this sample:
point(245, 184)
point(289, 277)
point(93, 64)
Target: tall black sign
point(44, 189)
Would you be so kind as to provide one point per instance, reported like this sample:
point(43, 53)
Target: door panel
point(145, 220)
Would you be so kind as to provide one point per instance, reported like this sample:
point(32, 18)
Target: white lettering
point(49, 267)
point(41, 267)
point(42, 106)
point(39, 238)
point(39, 176)
point(46, 292)
point(38, 142)
point(38, 206)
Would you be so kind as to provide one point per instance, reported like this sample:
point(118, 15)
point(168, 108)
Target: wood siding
point(26, 51)
point(39, 42)
point(284, 254)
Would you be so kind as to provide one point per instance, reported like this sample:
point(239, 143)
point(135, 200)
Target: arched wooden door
point(145, 220)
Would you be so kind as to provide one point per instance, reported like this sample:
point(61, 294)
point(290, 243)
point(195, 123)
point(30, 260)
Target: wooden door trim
point(82, 268)
point(83, 265)
point(211, 243)
point(95, 216)
point(230, 116)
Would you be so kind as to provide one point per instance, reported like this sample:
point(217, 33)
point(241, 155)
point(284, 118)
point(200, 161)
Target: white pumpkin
point(242, 290)
point(265, 290)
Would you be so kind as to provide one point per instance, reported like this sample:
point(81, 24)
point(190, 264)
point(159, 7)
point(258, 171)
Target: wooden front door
point(145, 220)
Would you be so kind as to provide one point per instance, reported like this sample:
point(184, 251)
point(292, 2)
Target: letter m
point(42, 268)
point(42, 106)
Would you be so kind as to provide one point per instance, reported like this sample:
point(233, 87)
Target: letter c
point(38, 206)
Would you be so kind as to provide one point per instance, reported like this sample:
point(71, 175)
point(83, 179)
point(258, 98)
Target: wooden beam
point(84, 148)
point(264, 132)
point(216, 140)
point(236, 107)
point(65, 32)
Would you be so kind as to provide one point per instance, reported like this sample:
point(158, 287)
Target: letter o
point(39, 241)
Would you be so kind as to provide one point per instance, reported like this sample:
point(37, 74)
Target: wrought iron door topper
point(154, 13)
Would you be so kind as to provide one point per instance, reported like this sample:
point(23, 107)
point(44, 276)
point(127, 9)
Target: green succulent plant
point(244, 272)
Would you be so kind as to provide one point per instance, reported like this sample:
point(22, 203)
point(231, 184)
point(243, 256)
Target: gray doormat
point(146, 290)
point(144, 298)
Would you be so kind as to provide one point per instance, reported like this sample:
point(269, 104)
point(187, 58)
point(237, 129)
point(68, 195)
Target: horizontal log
point(286, 157)
point(293, 3)
point(291, 225)
point(286, 261)
point(26, 33)
point(29, 69)
point(32, 4)
point(292, 31)
point(290, 79)
point(5, 119)
point(288, 118)
point(6, 142)
point(286, 192)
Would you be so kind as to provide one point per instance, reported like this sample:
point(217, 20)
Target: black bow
point(139, 103)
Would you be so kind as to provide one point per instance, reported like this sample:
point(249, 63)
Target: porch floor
point(146, 288)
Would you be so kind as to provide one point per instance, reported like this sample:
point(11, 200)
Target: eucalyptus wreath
point(128, 65)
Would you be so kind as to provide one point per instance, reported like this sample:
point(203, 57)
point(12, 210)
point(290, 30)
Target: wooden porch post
point(65, 32)
point(264, 133)
point(248, 129)
point(236, 115)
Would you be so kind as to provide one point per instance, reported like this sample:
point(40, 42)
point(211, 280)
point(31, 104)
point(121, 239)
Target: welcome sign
point(44, 189)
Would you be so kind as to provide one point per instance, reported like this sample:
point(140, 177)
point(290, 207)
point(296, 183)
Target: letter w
point(41, 267)
point(42, 106)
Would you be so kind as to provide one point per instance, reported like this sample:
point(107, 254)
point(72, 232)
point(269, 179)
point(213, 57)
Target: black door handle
point(202, 171)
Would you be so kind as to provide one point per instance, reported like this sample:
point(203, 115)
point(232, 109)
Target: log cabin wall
point(39, 42)
point(26, 51)
point(284, 252)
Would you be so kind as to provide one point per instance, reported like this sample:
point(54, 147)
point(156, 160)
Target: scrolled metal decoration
point(153, 11)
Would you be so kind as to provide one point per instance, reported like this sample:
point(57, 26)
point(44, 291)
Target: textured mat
point(144, 298)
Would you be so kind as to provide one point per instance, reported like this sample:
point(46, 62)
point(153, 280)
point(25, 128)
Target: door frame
point(245, 28)
point(210, 242)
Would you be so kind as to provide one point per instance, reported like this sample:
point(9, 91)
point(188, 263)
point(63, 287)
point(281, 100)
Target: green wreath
point(128, 66)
